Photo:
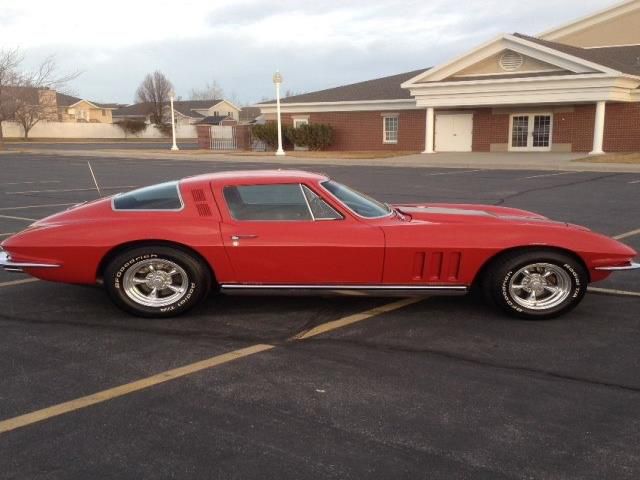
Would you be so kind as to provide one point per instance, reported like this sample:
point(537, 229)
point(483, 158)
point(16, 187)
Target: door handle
point(235, 238)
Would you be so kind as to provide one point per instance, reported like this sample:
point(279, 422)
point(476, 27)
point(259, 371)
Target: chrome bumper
point(10, 266)
point(631, 266)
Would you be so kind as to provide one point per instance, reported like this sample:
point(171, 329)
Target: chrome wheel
point(540, 286)
point(155, 283)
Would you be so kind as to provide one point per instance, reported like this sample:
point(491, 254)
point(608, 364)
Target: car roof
point(258, 176)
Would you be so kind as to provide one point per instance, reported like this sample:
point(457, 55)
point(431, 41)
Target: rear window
point(164, 196)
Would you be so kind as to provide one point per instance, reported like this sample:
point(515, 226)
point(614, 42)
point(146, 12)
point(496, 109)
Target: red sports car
point(160, 250)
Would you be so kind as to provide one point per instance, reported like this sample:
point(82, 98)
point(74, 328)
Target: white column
point(429, 129)
point(598, 129)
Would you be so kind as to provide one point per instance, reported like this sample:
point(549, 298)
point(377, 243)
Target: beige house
point(73, 109)
point(187, 112)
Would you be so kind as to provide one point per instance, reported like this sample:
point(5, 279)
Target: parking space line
point(69, 190)
point(3, 209)
point(357, 317)
point(162, 377)
point(7, 234)
point(31, 183)
point(119, 391)
point(632, 233)
point(610, 291)
point(457, 172)
point(19, 218)
point(635, 181)
point(18, 282)
point(547, 175)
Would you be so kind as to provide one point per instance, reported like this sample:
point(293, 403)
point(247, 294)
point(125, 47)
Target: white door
point(530, 132)
point(454, 133)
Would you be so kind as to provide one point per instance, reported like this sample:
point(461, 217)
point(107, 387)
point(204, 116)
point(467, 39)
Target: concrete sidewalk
point(476, 160)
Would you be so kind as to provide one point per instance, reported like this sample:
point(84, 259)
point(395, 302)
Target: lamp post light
point(277, 80)
point(173, 127)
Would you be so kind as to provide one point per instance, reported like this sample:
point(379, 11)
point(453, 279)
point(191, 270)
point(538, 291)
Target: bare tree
point(9, 62)
point(28, 97)
point(211, 91)
point(154, 91)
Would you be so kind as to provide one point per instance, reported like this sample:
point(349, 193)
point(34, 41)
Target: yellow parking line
point(632, 233)
point(357, 317)
point(104, 395)
point(18, 282)
point(128, 388)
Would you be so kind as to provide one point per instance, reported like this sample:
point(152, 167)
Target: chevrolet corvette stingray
point(161, 249)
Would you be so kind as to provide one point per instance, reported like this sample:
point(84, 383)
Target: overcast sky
point(239, 43)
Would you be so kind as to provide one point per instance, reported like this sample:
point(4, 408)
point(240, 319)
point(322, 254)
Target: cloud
point(239, 43)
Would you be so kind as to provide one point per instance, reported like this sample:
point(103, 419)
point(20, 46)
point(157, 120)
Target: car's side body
point(431, 246)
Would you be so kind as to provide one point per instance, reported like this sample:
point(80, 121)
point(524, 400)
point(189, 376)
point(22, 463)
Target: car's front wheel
point(537, 284)
point(156, 281)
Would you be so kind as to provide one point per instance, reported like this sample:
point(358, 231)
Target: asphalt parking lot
point(440, 388)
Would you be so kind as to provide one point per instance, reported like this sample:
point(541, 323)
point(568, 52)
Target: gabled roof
point(385, 88)
point(247, 114)
point(64, 100)
point(213, 120)
point(624, 59)
point(186, 108)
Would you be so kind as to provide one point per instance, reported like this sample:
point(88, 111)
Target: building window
point(104, 112)
point(390, 134)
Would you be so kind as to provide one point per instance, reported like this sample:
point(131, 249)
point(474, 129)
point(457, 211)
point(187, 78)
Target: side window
point(320, 209)
point(390, 134)
point(267, 202)
point(164, 196)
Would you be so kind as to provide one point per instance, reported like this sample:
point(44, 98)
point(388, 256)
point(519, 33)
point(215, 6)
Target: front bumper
point(619, 268)
point(10, 266)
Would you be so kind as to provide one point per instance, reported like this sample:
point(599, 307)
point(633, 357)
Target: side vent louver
point(198, 195)
point(203, 209)
point(201, 202)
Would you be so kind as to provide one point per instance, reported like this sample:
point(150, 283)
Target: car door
point(289, 234)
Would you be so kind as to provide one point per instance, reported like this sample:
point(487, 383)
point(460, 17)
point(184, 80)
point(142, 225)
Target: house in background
point(73, 109)
point(187, 112)
point(571, 89)
point(249, 115)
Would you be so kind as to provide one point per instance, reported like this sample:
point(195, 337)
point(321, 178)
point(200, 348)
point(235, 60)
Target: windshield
point(360, 203)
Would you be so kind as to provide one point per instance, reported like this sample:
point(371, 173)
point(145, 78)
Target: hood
point(470, 213)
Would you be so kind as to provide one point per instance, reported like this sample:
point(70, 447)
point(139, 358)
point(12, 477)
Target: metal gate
point(223, 137)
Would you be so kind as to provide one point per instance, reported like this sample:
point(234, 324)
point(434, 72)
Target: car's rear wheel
point(156, 281)
point(536, 284)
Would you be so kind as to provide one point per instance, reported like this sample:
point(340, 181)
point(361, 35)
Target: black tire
point(555, 294)
point(125, 272)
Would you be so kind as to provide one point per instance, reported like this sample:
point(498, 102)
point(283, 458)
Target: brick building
point(571, 89)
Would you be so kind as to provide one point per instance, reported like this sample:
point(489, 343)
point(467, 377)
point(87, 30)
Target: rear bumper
point(10, 266)
point(619, 268)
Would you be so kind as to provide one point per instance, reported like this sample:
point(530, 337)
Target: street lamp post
point(277, 80)
point(173, 127)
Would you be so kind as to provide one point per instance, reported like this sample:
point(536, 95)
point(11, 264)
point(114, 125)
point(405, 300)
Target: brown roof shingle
point(385, 88)
point(624, 59)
